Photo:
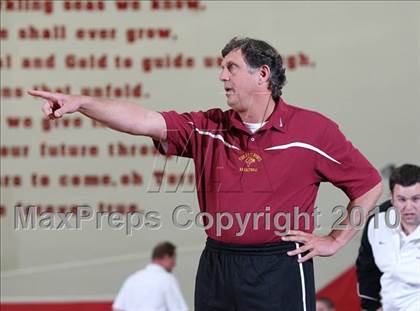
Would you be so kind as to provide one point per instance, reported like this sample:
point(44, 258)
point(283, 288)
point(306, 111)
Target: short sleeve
point(181, 139)
point(173, 296)
point(340, 163)
point(120, 302)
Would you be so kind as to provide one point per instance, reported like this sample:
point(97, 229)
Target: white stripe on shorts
point(302, 280)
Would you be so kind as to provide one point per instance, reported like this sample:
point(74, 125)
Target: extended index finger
point(44, 94)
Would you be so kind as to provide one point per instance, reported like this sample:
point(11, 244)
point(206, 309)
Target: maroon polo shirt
point(269, 174)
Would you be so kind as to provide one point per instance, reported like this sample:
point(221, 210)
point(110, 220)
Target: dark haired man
point(260, 159)
point(154, 288)
point(388, 265)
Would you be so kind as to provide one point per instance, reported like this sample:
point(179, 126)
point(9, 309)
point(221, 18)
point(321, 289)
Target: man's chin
point(231, 104)
point(410, 220)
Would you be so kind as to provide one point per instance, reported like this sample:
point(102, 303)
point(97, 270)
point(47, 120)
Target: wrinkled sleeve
point(340, 163)
point(181, 133)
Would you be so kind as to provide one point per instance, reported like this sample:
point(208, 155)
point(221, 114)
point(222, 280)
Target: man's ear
point(264, 73)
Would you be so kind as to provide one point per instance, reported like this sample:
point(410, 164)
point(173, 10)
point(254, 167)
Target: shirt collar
point(155, 266)
point(415, 235)
point(277, 119)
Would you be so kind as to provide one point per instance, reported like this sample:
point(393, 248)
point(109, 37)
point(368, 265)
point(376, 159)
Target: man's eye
point(402, 200)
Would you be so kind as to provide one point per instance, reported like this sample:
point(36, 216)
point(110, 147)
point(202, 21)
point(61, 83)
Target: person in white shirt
point(388, 265)
point(153, 288)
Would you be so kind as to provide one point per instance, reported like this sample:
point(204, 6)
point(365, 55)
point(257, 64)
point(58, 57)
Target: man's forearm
point(328, 245)
point(118, 115)
point(367, 202)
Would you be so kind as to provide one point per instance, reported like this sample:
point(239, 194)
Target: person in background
point(324, 304)
point(153, 288)
point(388, 265)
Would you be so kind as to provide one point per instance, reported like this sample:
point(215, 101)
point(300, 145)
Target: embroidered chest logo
point(249, 158)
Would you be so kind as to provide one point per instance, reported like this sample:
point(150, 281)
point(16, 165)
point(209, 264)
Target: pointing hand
point(57, 104)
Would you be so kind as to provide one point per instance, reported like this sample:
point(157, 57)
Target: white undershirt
point(253, 127)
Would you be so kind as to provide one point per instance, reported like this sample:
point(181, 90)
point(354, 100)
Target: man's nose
point(411, 204)
point(406, 205)
point(224, 75)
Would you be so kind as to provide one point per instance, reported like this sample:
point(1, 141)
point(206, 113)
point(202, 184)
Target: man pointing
point(260, 157)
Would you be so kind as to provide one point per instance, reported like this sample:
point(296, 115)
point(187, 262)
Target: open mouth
point(229, 90)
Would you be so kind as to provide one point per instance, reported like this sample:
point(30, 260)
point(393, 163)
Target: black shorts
point(235, 277)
